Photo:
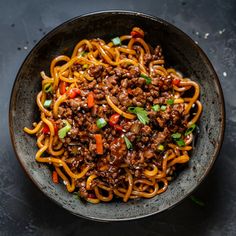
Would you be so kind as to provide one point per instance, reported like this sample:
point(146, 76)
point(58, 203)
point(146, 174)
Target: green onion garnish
point(156, 107)
point(163, 107)
point(47, 88)
point(170, 101)
point(160, 147)
point(128, 143)
point(141, 114)
point(63, 131)
point(83, 53)
point(47, 103)
point(180, 142)
point(101, 122)
point(190, 129)
point(116, 41)
point(85, 66)
point(176, 135)
point(148, 79)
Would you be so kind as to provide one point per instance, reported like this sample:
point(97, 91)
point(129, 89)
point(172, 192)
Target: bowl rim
point(161, 21)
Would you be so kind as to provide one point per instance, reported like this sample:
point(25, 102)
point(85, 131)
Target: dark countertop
point(24, 210)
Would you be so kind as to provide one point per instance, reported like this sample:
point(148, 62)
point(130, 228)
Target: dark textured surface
point(185, 56)
point(24, 210)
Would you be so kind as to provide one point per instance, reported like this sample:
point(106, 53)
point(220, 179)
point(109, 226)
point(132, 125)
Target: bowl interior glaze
point(180, 52)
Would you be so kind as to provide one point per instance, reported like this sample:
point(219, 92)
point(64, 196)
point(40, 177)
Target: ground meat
point(147, 58)
point(118, 150)
point(95, 71)
point(128, 143)
point(159, 137)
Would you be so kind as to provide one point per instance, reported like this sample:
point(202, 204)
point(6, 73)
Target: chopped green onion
point(180, 142)
point(190, 129)
point(176, 135)
point(85, 66)
point(170, 101)
point(163, 107)
point(67, 88)
point(47, 88)
point(148, 79)
point(47, 103)
point(156, 107)
point(141, 114)
point(128, 143)
point(160, 147)
point(197, 201)
point(116, 41)
point(101, 122)
point(83, 53)
point(63, 131)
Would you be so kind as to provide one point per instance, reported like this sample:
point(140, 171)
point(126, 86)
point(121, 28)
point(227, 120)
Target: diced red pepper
point(46, 129)
point(129, 90)
point(91, 101)
point(118, 127)
point(72, 93)
point(91, 195)
point(55, 177)
point(114, 119)
point(62, 87)
point(137, 32)
point(176, 81)
point(55, 128)
point(99, 144)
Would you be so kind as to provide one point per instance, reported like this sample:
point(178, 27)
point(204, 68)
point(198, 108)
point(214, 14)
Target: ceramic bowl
point(180, 52)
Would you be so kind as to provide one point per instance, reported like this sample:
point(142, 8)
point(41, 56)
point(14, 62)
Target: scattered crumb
point(206, 35)
point(196, 42)
point(25, 47)
point(221, 31)
point(197, 33)
point(224, 74)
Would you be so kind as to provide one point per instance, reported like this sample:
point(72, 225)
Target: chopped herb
point(190, 129)
point(148, 79)
point(63, 131)
point(141, 114)
point(176, 135)
point(83, 53)
point(47, 88)
point(180, 142)
point(116, 41)
point(128, 143)
point(67, 88)
point(101, 122)
point(156, 107)
point(170, 101)
point(160, 147)
point(47, 103)
point(85, 66)
point(163, 107)
point(197, 201)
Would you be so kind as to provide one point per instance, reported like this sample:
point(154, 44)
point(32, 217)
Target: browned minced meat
point(127, 88)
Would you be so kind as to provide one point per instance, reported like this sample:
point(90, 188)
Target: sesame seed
point(206, 35)
point(224, 74)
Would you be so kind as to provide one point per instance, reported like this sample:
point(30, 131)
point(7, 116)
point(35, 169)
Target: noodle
point(115, 123)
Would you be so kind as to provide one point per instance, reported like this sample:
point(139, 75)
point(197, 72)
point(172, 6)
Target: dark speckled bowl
point(180, 52)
